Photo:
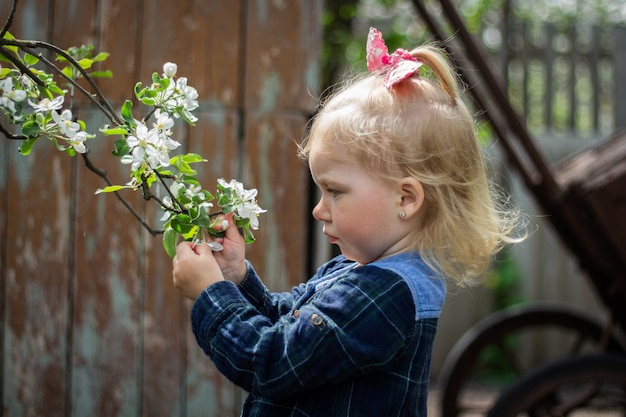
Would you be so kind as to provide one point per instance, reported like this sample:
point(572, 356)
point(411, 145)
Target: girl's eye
point(333, 192)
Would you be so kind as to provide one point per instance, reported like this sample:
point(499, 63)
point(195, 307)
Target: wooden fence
point(561, 77)
point(90, 324)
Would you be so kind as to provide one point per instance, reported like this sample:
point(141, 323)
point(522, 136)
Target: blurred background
point(90, 323)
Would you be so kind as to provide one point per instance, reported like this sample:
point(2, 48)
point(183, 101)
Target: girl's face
point(360, 213)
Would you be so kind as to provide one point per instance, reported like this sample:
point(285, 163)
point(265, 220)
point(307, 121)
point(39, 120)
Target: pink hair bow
point(397, 67)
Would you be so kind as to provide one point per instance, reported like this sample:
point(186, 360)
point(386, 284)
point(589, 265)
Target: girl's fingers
point(231, 232)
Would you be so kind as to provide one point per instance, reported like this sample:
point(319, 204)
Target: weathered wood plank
point(38, 230)
point(163, 36)
point(213, 64)
point(108, 312)
point(119, 33)
point(282, 68)
point(282, 179)
point(215, 137)
point(165, 325)
point(37, 304)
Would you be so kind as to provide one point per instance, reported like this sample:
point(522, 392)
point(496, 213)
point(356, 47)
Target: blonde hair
point(421, 128)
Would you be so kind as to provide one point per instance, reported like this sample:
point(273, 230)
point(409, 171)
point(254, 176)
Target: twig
point(28, 45)
point(23, 68)
point(9, 21)
point(102, 174)
point(10, 135)
point(112, 116)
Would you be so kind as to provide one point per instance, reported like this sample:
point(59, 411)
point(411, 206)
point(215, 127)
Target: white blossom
point(46, 105)
point(169, 69)
point(64, 121)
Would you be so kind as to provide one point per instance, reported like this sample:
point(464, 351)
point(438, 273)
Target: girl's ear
point(411, 196)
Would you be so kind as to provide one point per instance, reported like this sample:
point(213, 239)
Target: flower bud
point(169, 69)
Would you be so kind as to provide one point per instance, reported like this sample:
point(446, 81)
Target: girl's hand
point(232, 258)
point(194, 269)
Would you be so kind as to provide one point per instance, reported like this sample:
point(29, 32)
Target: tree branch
point(98, 98)
point(23, 68)
point(10, 135)
point(102, 174)
point(9, 21)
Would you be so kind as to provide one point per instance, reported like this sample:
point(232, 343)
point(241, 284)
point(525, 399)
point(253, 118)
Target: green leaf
point(170, 239)
point(248, 236)
point(191, 158)
point(110, 131)
point(31, 129)
point(101, 57)
point(13, 49)
point(112, 188)
point(184, 168)
point(102, 74)
point(186, 179)
point(30, 59)
point(85, 63)
point(183, 219)
point(150, 179)
point(191, 234)
point(138, 88)
point(121, 148)
point(9, 36)
point(181, 223)
point(147, 101)
point(127, 113)
point(54, 89)
point(205, 222)
point(68, 72)
point(165, 173)
point(27, 146)
point(56, 143)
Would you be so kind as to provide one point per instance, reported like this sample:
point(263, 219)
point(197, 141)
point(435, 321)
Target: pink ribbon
point(397, 67)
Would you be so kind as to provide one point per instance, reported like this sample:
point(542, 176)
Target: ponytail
point(441, 68)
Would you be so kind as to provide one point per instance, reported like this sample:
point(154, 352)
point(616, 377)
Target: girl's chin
point(351, 256)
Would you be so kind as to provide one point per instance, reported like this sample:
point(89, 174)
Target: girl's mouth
point(331, 239)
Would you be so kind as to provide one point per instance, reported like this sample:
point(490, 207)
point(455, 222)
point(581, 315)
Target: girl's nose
point(319, 210)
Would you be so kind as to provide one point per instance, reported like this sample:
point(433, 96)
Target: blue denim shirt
point(355, 340)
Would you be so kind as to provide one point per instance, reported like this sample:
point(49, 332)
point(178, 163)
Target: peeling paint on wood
point(90, 323)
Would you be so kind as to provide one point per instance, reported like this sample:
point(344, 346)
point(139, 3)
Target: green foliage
point(83, 55)
point(505, 280)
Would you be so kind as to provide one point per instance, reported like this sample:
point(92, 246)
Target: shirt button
point(296, 313)
point(316, 320)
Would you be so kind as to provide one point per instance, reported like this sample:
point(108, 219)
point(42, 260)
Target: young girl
point(404, 194)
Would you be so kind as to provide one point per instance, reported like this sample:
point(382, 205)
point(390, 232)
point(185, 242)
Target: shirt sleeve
point(271, 305)
point(356, 325)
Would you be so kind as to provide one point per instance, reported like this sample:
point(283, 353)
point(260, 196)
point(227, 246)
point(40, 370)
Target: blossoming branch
point(33, 97)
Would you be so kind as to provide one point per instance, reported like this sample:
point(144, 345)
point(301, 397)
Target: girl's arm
point(195, 267)
point(356, 325)
point(271, 305)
